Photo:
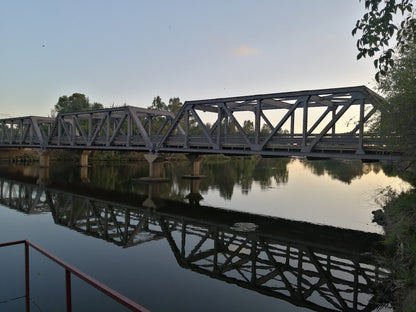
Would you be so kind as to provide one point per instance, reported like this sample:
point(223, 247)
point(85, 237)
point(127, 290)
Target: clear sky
point(129, 51)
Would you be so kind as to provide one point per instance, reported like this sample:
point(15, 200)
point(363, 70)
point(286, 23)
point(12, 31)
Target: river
point(254, 234)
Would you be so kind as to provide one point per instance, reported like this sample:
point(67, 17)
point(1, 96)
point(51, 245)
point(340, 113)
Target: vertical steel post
point(59, 129)
point(27, 276)
point(129, 129)
point(225, 125)
point(107, 137)
point(149, 124)
point(186, 129)
point(31, 134)
point(219, 119)
point(334, 110)
point(257, 122)
point(305, 122)
point(89, 128)
point(68, 291)
point(11, 133)
point(360, 149)
point(292, 125)
point(73, 132)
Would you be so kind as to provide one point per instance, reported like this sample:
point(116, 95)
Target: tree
point(174, 105)
point(75, 103)
point(97, 106)
point(158, 104)
point(265, 129)
point(377, 27)
point(398, 117)
point(248, 126)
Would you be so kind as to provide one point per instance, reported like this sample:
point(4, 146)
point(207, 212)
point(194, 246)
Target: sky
point(129, 51)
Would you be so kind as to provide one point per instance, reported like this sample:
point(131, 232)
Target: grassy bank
point(399, 221)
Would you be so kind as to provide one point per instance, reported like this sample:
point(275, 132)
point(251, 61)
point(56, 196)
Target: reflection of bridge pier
point(153, 191)
point(84, 174)
point(194, 195)
point(43, 176)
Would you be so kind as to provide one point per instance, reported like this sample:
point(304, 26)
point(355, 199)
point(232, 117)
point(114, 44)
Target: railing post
point(68, 291)
point(27, 280)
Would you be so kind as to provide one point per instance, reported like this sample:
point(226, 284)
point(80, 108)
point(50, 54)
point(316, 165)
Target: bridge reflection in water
point(318, 267)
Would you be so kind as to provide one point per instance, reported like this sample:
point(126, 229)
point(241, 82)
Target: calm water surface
point(263, 235)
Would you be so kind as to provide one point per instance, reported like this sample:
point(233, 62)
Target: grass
point(400, 245)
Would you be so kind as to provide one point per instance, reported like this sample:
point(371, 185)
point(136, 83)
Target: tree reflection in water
point(318, 267)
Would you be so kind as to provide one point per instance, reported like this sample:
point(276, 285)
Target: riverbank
point(399, 222)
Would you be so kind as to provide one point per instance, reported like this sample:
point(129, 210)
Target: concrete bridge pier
point(196, 160)
point(84, 158)
point(44, 158)
point(155, 168)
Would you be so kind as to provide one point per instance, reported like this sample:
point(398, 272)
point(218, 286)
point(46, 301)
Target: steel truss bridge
point(327, 123)
point(319, 267)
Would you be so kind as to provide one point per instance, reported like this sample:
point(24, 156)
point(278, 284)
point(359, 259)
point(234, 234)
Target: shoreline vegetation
point(31, 157)
point(397, 216)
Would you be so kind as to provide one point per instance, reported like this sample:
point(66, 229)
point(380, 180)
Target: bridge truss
point(120, 128)
point(317, 123)
point(30, 131)
point(327, 123)
point(275, 260)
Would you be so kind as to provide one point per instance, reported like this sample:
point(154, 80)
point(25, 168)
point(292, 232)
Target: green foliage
point(400, 242)
point(75, 103)
point(378, 28)
point(398, 116)
point(174, 105)
point(248, 126)
point(158, 104)
point(265, 129)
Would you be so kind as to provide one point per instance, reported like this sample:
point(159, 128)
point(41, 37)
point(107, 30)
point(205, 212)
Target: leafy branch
point(377, 29)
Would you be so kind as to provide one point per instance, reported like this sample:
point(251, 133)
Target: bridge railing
point(70, 270)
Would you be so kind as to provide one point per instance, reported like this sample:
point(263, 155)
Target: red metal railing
point(68, 271)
